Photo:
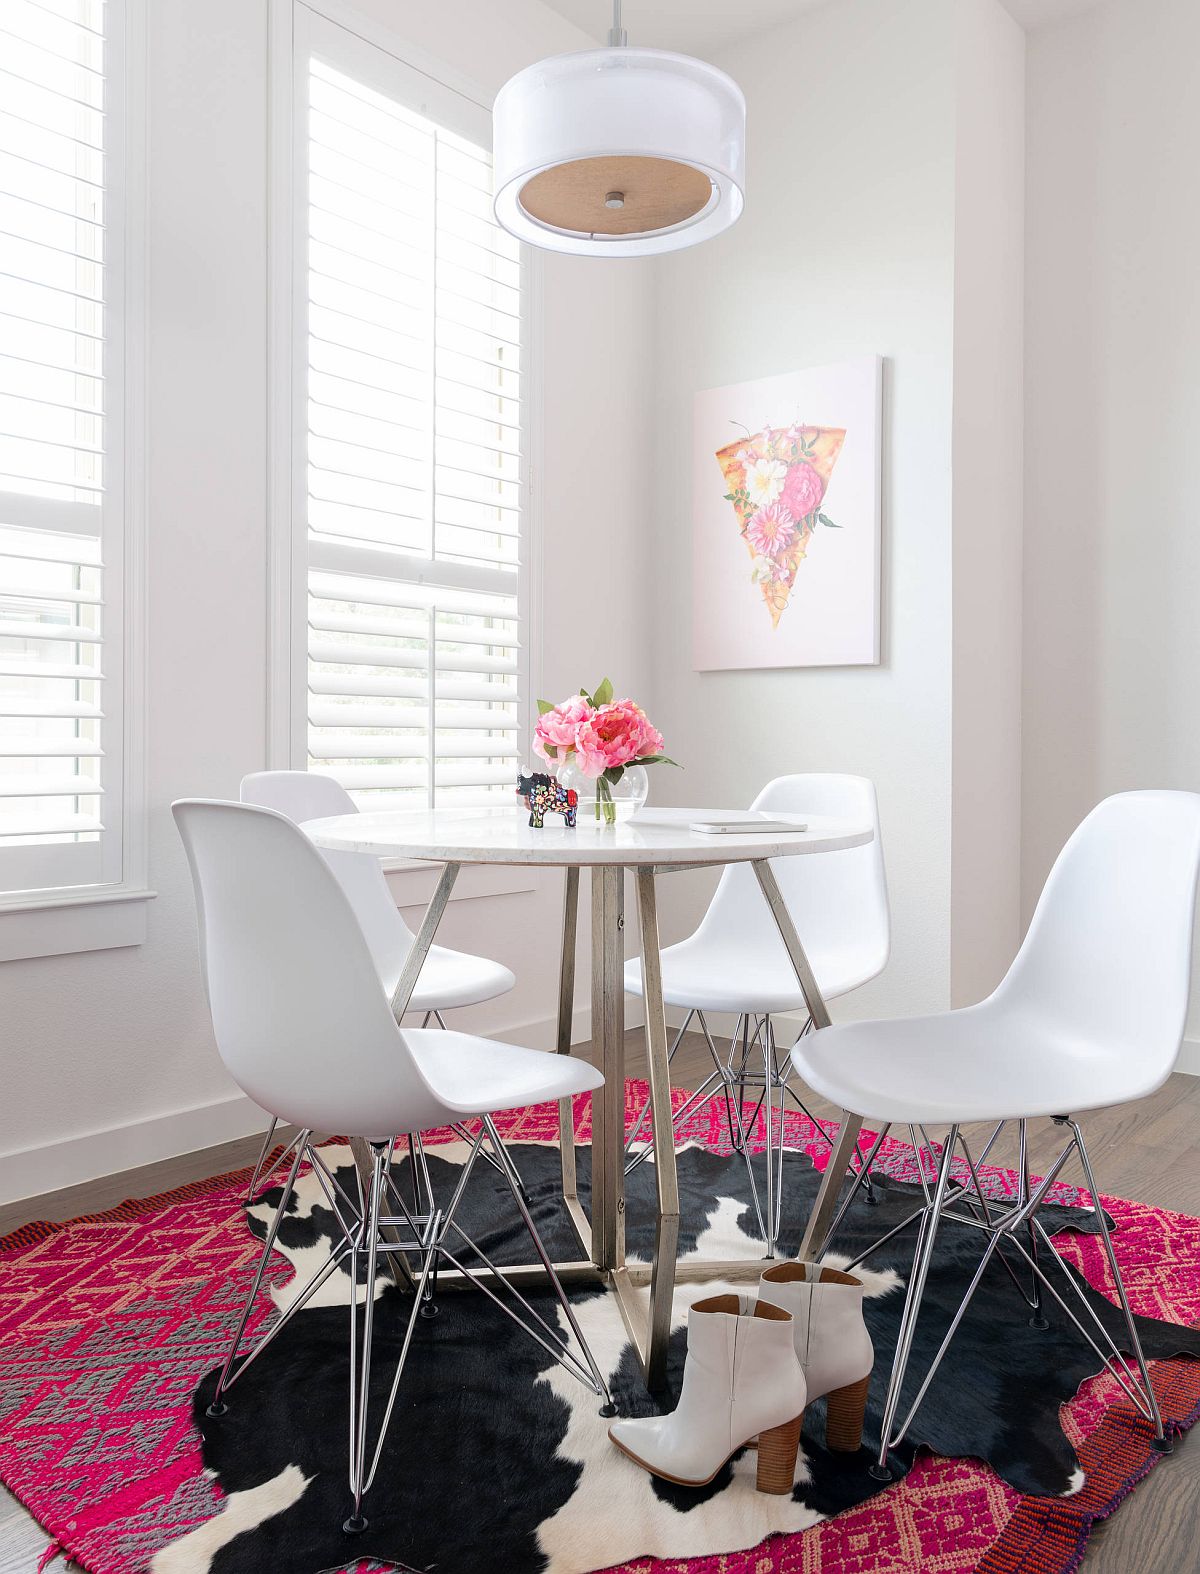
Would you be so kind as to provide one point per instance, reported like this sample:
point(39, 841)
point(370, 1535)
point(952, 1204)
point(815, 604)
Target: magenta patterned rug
point(108, 1323)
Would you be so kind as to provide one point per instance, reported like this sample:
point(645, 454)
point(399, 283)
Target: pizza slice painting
point(776, 481)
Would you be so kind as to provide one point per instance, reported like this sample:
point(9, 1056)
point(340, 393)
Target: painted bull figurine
point(543, 795)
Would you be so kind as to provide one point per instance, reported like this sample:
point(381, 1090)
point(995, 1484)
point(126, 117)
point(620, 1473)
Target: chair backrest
point(300, 1015)
point(837, 901)
point(306, 795)
point(1107, 958)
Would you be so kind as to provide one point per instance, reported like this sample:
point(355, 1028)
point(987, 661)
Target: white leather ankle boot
point(832, 1341)
point(741, 1379)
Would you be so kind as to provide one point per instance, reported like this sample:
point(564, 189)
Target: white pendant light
point(619, 152)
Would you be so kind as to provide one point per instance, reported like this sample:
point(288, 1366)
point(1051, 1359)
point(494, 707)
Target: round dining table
point(652, 843)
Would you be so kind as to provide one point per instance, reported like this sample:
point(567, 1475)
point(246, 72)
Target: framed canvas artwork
point(786, 511)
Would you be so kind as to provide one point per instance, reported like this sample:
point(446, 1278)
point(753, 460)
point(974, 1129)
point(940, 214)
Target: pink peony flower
point(556, 731)
point(615, 735)
point(771, 530)
point(802, 490)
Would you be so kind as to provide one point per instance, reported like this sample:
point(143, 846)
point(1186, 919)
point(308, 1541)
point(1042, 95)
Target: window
point(63, 698)
point(407, 404)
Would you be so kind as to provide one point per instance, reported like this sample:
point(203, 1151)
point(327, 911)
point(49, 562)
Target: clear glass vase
point(603, 802)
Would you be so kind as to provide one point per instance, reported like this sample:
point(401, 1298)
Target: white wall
point(1112, 548)
point(110, 1060)
point(846, 248)
point(989, 226)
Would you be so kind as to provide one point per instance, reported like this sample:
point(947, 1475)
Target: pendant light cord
point(617, 36)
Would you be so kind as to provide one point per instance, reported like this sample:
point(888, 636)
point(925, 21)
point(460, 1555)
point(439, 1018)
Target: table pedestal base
point(602, 1237)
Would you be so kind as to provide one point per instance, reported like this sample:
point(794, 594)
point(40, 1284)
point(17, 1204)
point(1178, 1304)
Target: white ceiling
point(1033, 14)
point(698, 27)
point(704, 27)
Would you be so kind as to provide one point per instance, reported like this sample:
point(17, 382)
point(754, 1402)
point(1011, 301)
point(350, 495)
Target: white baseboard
point(1189, 1057)
point(49, 1166)
point(69, 1161)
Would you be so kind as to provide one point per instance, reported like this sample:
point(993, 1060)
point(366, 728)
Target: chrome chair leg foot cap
point(609, 1410)
point(430, 1310)
point(355, 1525)
point(1163, 1445)
point(1039, 1322)
point(879, 1472)
point(217, 1409)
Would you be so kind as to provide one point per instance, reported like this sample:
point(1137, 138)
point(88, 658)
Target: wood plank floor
point(1149, 1150)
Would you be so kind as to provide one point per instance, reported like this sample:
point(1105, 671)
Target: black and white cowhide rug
point(497, 1459)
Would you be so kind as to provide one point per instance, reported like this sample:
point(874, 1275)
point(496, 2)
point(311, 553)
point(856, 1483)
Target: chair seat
point(721, 979)
point(453, 978)
point(987, 1062)
point(479, 1076)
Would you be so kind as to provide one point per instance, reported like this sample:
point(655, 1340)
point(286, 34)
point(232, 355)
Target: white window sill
point(57, 923)
point(413, 883)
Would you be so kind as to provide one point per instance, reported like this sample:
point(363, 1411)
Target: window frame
point(52, 918)
point(353, 44)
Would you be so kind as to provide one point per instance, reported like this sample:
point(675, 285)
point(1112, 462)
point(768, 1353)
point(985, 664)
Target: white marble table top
point(503, 836)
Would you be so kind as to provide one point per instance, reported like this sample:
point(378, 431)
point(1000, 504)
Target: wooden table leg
point(666, 1238)
point(566, 1018)
point(566, 1015)
point(825, 1206)
point(608, 1037)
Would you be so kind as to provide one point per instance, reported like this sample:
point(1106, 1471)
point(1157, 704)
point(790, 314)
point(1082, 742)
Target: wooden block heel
point(844, 1414)
point(777, 1451)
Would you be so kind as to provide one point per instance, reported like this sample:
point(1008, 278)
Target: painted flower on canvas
point(777, 480)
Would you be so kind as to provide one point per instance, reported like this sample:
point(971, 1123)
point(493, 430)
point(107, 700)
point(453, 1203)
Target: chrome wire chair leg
point(912, 1306)
point(1161, 1440)
point(262, 1159)
point(737, 1079)
point(598, 1383)
point(1037, 1318)
point(733, 1115)
point(1017, 1223)
point(773, 1152)
point(860, 1177)
point(217, 1406)
point(361, 1477)
point(632, 1135)
point(463, 1131)
point(263, 1171)
point(360, 1373)
point(825, 1135)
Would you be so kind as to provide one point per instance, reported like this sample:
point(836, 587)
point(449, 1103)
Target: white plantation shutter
point(408, 406)
point(60, 428)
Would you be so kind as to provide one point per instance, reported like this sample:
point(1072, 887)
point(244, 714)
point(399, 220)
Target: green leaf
point(658, 759)
point(729, 497)
point(613, 774)
point(544, 706)
point(583, 694)
point(603, 694)
point(825, 520)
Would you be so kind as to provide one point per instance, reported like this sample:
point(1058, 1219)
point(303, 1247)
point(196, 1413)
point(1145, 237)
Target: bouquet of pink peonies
point(599, 736)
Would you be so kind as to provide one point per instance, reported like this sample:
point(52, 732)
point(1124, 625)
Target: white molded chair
point(736, 962)
point(448, 978)
point(305, 1027)
point(1091, 1014)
